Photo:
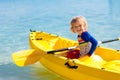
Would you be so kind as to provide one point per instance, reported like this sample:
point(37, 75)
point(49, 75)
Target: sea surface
point(17, 17)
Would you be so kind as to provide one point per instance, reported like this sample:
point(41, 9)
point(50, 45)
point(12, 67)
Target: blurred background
point(17, 17)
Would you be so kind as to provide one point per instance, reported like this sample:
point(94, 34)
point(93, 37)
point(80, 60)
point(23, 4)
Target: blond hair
point(76, 19)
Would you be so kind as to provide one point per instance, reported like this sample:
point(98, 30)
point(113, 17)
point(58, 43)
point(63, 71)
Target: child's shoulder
point(85, 33)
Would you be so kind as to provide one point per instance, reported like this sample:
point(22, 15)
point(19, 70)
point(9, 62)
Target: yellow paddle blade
point(26, 57)
point(119, 38)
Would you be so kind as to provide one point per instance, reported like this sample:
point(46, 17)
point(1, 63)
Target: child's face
point(79, 27)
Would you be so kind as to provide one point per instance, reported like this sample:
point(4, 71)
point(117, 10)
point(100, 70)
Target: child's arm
point(88, 38)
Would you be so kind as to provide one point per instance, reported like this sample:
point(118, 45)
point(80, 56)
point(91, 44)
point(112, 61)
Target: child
point(79, 26)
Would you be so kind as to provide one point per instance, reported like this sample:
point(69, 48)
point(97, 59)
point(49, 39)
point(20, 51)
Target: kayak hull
point(103, 65)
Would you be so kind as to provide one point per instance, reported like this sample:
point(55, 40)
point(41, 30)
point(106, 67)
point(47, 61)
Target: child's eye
point(76, 26)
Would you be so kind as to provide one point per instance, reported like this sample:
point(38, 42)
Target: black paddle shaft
point(52, 52)
point(110, 40)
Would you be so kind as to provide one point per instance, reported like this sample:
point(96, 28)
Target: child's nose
point(78, 27)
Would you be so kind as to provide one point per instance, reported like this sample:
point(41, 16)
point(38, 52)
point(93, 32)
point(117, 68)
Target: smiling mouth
point(78, 30)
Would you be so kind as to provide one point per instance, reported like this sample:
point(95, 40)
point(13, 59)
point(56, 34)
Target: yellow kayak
point(103, 65)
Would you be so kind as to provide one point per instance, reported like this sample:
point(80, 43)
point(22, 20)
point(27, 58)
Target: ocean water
point(17, 17)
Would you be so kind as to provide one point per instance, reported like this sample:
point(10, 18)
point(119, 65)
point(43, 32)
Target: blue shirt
point(85, 36)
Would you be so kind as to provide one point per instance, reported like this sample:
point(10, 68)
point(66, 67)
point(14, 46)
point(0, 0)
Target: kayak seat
point(64, 43)
point(47, 44)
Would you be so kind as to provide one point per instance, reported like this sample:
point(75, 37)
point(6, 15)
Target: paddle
point(27, 57)
point(63, 49)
